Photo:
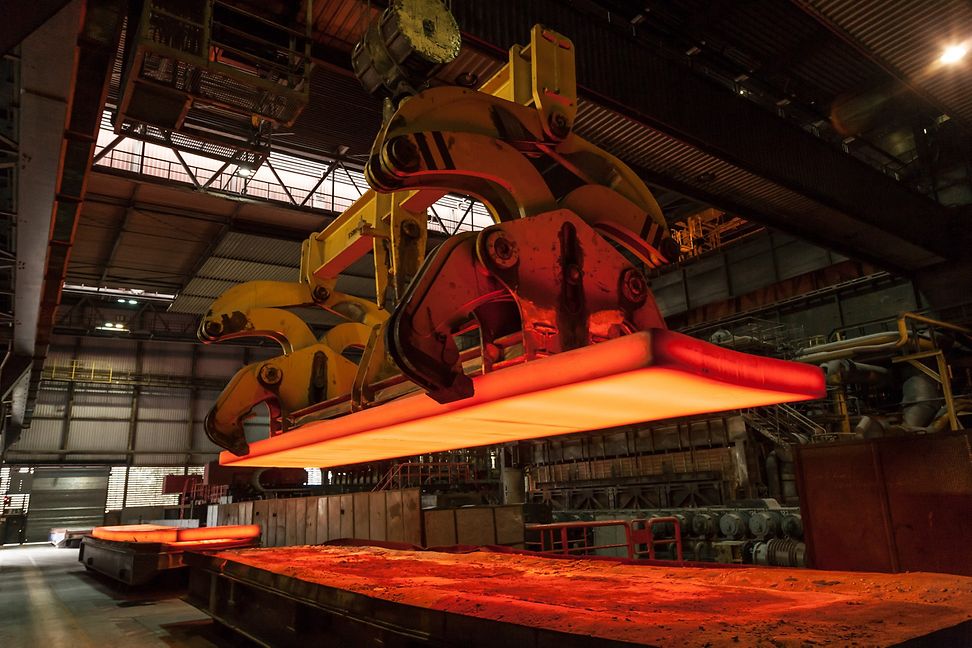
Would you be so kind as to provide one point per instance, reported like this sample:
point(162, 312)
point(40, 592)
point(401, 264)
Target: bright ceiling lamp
point(954, 54)
point(641, 377)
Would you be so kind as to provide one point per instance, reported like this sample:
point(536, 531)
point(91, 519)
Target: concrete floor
point(48, 600)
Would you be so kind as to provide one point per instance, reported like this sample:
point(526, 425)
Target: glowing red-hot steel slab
point(651, 375)
point(137, 533)
point(149, 533)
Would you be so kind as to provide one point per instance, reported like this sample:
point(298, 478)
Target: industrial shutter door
point(66, 497)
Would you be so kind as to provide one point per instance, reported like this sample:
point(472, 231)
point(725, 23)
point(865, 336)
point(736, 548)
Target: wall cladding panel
point(166, 359)
point(219, 361)
point(162, 436)
point(41, 435)
point(816, 320)
point(51, 401)
point(119, 355)
point(200, 442)
point(159, 403)
point(97, 435)
point(106, 403)
point(882, 303)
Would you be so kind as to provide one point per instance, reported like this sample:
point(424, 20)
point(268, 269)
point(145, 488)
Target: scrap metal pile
point(567, 334)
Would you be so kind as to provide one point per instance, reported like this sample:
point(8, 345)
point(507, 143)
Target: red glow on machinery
point(651, 375)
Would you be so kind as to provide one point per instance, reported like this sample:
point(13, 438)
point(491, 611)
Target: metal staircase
point(784, 425)
point(425, 473)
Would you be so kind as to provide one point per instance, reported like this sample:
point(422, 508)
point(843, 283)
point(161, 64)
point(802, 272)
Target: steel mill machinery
point(567, 336)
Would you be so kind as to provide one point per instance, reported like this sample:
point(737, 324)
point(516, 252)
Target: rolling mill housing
point(461, 323)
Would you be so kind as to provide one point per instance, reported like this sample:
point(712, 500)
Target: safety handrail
point(555, 538)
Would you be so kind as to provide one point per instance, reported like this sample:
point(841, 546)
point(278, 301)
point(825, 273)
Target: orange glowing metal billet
point(175, 535)
point(651, 375)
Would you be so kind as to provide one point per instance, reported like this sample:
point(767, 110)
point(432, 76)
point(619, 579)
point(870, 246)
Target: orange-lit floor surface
point(651, 375)
point(642, 604)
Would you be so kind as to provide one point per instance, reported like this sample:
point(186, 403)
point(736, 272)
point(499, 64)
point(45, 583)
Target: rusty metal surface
point(889, 505)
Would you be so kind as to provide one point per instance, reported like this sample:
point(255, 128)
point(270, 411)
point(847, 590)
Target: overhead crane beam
point(883, 218)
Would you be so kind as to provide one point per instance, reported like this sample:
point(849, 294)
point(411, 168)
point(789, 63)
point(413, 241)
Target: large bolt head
point(634, 288)
point(212, 328)
point(559, 126)
point(403, 154)
point(270, 375)
point(502, 250)
point(320, 294)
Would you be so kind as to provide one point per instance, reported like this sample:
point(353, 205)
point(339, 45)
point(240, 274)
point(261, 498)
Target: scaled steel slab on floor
point(378, 595)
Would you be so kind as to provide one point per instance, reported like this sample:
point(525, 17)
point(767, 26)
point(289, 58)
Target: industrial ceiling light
point(244, 171)
point(954, 54)
point(651, 375)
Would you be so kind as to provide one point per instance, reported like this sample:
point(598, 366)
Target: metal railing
point(335, 189)
point(784, 424)
point(410, 473)
point(578, 538)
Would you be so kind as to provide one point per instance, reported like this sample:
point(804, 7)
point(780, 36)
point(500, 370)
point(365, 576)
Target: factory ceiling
point(804, 60)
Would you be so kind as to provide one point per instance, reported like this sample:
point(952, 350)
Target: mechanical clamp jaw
point(548, 283)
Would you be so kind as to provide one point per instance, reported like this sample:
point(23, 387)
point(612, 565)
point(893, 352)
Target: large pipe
point(875, 342)
point(921, 400)
point(847, 371)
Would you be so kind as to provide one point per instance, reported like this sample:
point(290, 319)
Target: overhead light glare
point(121, 301)
point(132, 301)
point(244, 171)
point(954, 54)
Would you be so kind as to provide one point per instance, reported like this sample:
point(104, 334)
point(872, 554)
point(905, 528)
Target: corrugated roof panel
point(248, 247)
point(908, 38)
point(208, 288)
point(190, 304)
point(238, 271)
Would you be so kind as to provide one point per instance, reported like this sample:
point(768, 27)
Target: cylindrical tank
point(734, 525)
point(705, 524)
point(792, 526)
point(765, 524)
point(780, 553)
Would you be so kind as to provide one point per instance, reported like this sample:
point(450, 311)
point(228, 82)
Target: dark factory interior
point(405, 323)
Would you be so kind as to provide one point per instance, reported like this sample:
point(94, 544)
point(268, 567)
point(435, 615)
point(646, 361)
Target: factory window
point(313, 476)
point(12, 499)
point(144, 486)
